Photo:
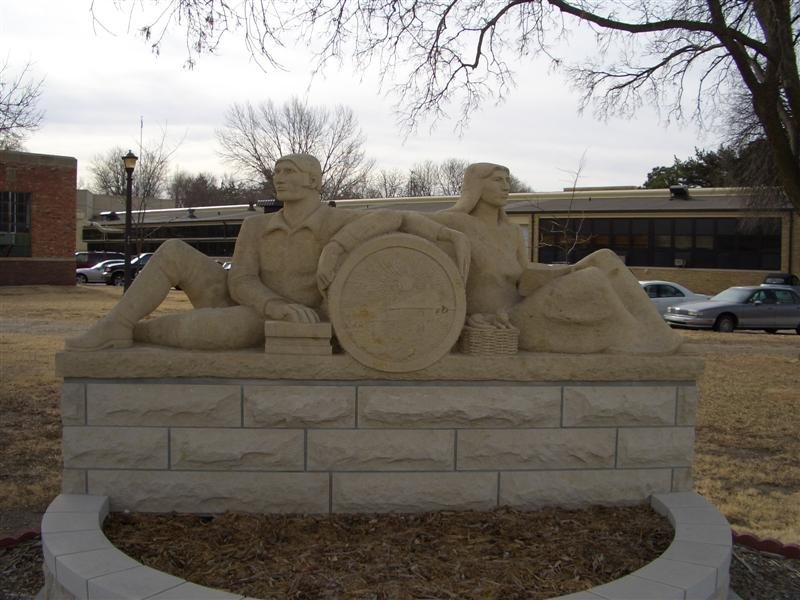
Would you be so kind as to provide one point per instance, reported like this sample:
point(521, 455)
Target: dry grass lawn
point(34, 320)
point(747, 453)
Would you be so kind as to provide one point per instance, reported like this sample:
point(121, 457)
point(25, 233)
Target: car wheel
point(81, 278)
point(725, 324)
point(771, 330)
point(118, 279)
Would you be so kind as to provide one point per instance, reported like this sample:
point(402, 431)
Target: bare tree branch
point(254, 137)
point(436, 53)
point(19, 105)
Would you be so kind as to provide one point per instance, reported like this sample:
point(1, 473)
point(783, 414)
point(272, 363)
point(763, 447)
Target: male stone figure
point(276, 265)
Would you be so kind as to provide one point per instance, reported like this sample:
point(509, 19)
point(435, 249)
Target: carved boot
point(115, 330)
point(108, 332)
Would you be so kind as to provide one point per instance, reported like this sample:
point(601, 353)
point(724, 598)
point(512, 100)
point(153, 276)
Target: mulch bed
point(759, 575)
point(21, 570)
point(755, 575)
point(502, 554)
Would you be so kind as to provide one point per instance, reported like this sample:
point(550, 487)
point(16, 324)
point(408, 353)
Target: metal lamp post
point(129, 160)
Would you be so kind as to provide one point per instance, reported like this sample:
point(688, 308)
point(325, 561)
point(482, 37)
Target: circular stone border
point(81, 563)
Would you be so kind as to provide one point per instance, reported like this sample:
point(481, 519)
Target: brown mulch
point(754, 575)
point(761, 576)
point(21, 575)
point(501, 554)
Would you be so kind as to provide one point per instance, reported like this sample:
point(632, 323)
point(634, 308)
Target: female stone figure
point(594, 305)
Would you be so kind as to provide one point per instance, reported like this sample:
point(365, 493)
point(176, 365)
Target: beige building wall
point(704, 281)
point(89, 205)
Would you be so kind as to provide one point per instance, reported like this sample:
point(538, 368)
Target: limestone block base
point(538, 434)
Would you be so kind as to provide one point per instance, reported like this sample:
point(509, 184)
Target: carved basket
point(489, 341)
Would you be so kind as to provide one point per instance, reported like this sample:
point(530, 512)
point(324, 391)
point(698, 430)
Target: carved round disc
point(397, 303)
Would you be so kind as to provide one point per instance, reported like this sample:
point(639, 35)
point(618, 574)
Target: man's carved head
point(306, 164)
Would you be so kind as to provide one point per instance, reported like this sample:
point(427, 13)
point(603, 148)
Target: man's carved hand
point(326, 268)
point(278, 310)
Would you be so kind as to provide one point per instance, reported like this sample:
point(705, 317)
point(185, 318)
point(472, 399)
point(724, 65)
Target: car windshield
point(732, 295)
point(105, 263)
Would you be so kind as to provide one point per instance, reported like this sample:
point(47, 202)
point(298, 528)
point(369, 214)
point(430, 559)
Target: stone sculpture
point(391, 423)
point(397, 300)
point(278, 261)
point(594, 305)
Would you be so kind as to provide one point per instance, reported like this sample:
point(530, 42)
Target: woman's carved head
point(485, 182)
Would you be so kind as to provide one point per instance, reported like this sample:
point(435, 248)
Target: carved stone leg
point(174, 263)
point(574, 314)
point(228, 328)
point(626, 287)
point(583, 312)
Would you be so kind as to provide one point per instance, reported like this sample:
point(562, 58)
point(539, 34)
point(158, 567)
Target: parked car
point(90, 258)
point(116, 274)
point(783, 279)
point(767, 307)
point(95, 274)
point(668, 293)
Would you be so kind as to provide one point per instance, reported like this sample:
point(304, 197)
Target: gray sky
point(98, 83)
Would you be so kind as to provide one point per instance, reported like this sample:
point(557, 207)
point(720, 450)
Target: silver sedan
point(668, 293)
point(753, 307)
point(94, 274)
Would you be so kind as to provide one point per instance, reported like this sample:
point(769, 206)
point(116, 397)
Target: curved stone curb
point(81, 563)
point(696, 564)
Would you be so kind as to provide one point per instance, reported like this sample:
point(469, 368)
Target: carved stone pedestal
point(159, 430)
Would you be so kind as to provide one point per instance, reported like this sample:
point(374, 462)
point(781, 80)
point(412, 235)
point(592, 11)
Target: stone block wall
point(337, 446)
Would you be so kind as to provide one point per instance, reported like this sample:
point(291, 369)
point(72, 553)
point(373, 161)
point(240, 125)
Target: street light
point(129, 160)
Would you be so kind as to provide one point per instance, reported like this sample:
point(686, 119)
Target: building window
point(15, 224)
point(666, 242)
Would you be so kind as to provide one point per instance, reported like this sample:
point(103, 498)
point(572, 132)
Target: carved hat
point(307, 164)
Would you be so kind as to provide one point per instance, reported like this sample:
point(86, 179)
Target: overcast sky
point(99, 83)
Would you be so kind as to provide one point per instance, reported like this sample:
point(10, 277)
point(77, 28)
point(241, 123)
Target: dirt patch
point(501, 554)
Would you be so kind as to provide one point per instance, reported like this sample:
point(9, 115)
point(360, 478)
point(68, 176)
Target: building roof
point(32, 158)
point(581, 201)
point(656, 201)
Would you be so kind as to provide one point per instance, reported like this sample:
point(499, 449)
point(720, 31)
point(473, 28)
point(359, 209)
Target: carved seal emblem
point(397, 303)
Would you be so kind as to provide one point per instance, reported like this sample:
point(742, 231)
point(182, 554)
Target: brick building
point(37, 218)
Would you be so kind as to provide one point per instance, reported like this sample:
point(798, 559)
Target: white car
point(95, 274)
point(668, 293)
